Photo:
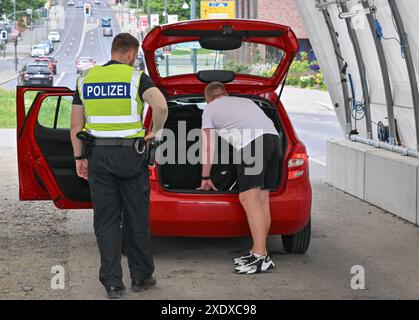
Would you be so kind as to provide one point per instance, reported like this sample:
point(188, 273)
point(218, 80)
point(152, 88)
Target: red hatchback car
point(252, 59)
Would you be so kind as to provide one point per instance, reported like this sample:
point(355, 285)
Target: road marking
point(318, 162)
point(64, 38)
point(82, 38)
point(61, 77)
point(72, 39)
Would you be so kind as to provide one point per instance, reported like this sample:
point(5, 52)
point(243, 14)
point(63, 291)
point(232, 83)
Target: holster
point(150, 153)
point(86, 138)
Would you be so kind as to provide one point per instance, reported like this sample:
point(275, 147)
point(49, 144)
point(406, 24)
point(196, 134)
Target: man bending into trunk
point(245, 126)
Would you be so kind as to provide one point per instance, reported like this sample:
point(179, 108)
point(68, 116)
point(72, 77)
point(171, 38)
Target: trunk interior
point(183, 176)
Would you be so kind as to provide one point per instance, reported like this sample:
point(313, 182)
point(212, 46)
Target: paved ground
point(35, 236)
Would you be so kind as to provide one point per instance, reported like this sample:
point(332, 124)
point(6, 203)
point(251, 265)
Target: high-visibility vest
point(112, 105)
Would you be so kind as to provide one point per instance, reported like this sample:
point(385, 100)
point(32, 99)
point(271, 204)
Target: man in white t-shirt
point(249, 130)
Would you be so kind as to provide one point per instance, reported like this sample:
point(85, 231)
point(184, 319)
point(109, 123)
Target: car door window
point(55, 112)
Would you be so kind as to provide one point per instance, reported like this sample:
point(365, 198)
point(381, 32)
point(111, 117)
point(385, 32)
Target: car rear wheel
point(299, 242)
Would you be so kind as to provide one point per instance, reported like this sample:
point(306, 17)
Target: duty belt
point(138, 144)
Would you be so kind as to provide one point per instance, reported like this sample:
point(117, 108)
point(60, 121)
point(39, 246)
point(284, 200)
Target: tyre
point(299, 242)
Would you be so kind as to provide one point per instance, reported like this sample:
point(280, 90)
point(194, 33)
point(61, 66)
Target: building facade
point(278, 11)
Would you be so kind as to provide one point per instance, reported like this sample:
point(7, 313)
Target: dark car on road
point(36, 74)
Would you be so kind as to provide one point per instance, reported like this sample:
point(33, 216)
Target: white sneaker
point(259, 265)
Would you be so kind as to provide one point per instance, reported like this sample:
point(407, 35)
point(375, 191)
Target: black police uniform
point(119, 183)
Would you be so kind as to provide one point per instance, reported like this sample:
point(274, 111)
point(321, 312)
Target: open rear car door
point(222, 45)
point(45, 157)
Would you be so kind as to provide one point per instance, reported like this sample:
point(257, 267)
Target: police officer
point(107, 107)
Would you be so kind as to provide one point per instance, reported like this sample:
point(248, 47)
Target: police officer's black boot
point(115, 292)
point(137, 286)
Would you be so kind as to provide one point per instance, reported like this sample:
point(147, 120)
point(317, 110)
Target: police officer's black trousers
point(119, 183)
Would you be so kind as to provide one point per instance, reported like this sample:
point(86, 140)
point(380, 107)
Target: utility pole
point(15, 29)
point(194, 57)
point(166, 14)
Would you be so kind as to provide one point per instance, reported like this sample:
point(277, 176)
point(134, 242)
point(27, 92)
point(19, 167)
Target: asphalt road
point(81, 37)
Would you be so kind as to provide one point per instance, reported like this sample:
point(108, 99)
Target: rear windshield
point(252, 59)
point(38, 68)
point(84, 60)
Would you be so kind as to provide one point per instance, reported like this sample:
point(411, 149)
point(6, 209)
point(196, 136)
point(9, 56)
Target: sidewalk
point(27, 39)
point(306, 100)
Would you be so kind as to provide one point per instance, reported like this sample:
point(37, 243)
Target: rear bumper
point(193, 215)
point(46, 83)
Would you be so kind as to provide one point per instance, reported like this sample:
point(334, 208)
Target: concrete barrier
point(382, 178)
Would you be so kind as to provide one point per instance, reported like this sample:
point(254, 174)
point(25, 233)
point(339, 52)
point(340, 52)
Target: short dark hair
point(124, 42)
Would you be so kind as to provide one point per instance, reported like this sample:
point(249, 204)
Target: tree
point(6, 6)
point(173, 7)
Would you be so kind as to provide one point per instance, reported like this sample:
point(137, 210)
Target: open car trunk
point(185, 115)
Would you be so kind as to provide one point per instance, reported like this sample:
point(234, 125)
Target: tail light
point(26, 76)
point(298, 163)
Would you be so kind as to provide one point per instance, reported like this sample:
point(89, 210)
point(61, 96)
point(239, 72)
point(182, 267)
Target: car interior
point(172, 175)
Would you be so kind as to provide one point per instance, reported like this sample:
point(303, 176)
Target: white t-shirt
point(237, 120)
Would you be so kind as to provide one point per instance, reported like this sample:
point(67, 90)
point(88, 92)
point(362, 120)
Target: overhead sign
point(218, 9)
point(154, 19)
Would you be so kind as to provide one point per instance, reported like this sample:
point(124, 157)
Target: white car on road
point(54, 36)
point(84, 63)
point(38, 51)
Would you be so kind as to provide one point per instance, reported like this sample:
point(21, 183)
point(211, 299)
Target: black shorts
point(260, 168)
